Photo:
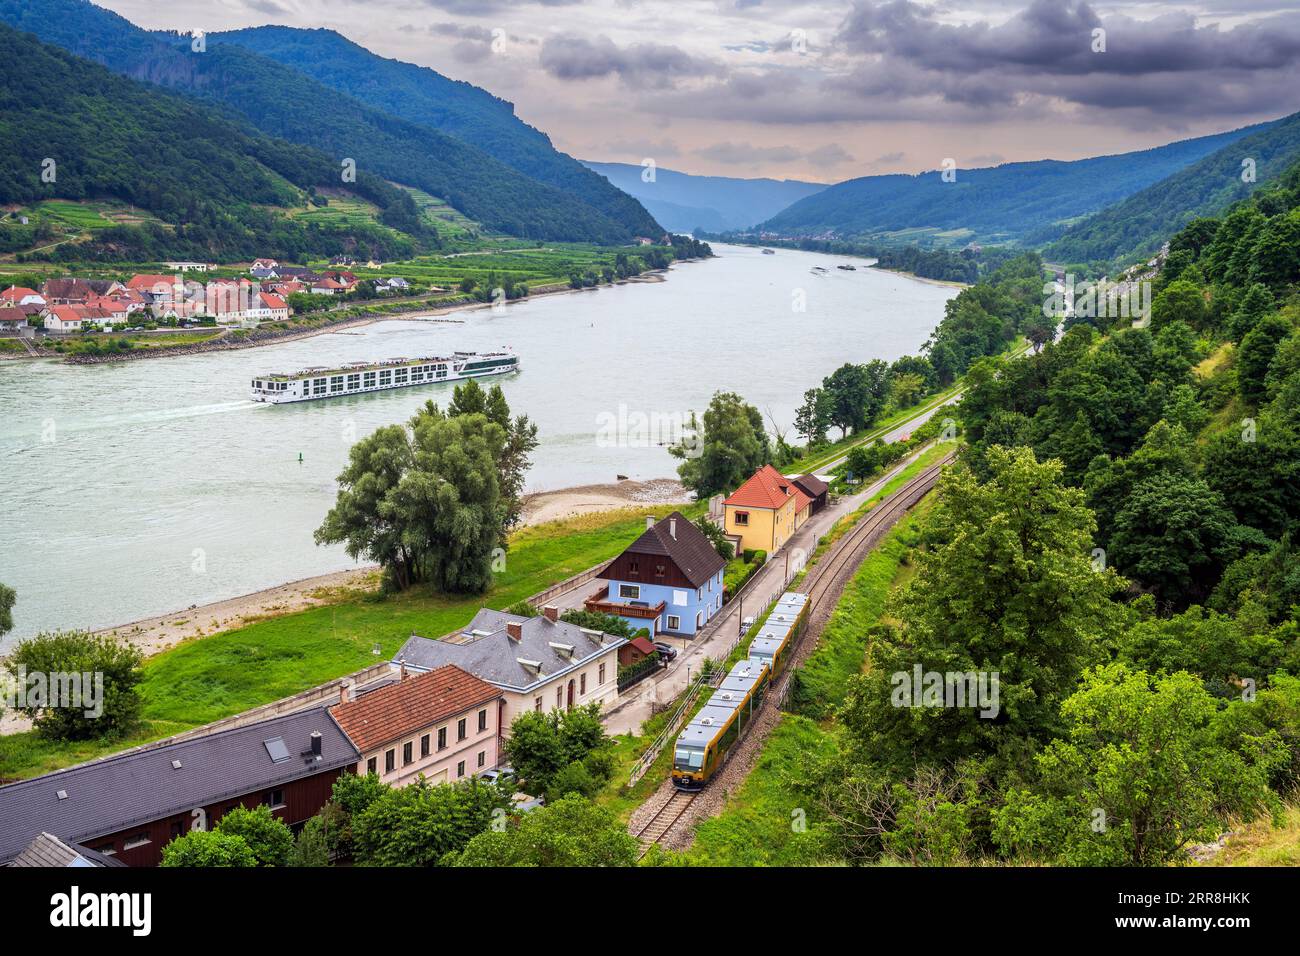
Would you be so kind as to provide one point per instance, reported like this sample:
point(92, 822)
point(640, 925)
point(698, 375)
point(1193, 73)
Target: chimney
point(343, 692)
point(315, 744)
point(401, 668)
point(515, 630)
point(552, 612)
point(672, 527)
point(649, 522)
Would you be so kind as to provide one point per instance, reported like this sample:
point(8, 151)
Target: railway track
point(869, 529)
point(823, 581)
point(664, 819)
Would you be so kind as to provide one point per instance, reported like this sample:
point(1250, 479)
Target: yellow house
point(765, 511)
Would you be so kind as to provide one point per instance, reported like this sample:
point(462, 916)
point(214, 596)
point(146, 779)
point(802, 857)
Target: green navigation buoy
point(300, 458)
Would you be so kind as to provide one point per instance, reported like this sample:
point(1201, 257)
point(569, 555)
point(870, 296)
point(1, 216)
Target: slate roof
point(768, 488)
point(400, 709)
point(689, 549)
point(105, 796)
point(47, 850)
point(811, 485)
point(490, 654)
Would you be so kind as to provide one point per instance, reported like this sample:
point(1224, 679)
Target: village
point(66, 306)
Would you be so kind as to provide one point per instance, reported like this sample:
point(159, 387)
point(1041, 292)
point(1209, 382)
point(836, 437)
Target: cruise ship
point(358, 377)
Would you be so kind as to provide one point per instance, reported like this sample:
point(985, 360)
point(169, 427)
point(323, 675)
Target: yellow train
point(703, 746)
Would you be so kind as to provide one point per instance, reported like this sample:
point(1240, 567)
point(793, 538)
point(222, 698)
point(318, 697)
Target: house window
point(537, 705)
point(442, 738)
point(634, 567)
point(674, 622)
point(660, 569)
point(460, 769)
point(372, 765)
point(390, 761)
point(178, 829)
point(460, 729)
point(742, 517)
point(482, 757)
point(600, 675)
point(408, 753)
point(140, 839)
point(630, 591)
point(274, 799)
point(424, 746)
point(582, 683)
point(699, 594)
point(559, 697)
point(482, 720)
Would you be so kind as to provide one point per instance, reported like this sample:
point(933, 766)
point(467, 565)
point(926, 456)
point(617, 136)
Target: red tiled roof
point(273, 301)
point(643, 645)
point(384, 715)
point(768, 488)
point(17, 292)
point(148, 282)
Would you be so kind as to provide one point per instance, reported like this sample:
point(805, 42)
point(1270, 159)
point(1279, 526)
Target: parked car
point(666, 650)
point(502, 774)
point(746, 623)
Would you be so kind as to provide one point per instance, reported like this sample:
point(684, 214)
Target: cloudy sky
point(826, 90)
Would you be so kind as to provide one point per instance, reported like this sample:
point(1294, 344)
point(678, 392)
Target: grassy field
point(1259, 843)
point(212, 677)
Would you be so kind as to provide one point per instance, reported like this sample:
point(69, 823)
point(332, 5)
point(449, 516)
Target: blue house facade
point(668, 581)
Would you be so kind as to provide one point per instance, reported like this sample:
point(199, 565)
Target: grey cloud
point(832, 154)
point(572, 57)
point(744, 154)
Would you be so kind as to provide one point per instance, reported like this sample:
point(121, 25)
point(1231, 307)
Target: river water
point(136, 489)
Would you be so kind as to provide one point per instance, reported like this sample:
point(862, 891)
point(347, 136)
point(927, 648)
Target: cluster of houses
point(440, 708)
point(63, 306)
point(670, 580)
point(68, 305)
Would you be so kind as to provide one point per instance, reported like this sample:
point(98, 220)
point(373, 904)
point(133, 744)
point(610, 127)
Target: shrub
point(208, 848)
point(269, 839)
point(108, 671)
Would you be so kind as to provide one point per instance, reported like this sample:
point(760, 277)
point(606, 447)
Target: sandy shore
point(544, 506)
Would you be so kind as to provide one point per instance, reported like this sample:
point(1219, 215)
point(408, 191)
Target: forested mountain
point(98, 135)
point(286, 103)
point(1140, 223)
point(424, 96)
point(683, 202)
point(1012, 202)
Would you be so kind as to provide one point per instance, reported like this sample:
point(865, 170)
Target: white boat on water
point(359, 377)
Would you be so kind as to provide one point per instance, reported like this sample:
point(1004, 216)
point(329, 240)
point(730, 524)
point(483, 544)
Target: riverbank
point(235, 339)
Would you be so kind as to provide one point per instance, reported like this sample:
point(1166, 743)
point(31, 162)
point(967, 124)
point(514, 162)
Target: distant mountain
point(682, 201)
point(219, 190)
point(1140, 223)
point(1015, 202)
point(424, 96)
point(289, 104)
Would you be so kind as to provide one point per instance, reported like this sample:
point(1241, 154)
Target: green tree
point(316, 840)
point(8, 598)
point(269, 839)
point(812, 417)
point(570, 832)
point(1007, 587)
point(1255, 355)
point(731, 446)
point(1174, 534)
point(204, 848)
point(855, 394)
point(1140, 774)
point(1181, 301)
point(541, 745)
point(419, 824)
point(104, 667)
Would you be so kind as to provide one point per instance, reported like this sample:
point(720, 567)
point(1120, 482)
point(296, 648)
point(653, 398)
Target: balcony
point(601, 604)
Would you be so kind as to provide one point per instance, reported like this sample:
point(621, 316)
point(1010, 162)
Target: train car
point(780, 631)
point(703, 746)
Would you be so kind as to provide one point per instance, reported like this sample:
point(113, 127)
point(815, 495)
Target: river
point(134, 489)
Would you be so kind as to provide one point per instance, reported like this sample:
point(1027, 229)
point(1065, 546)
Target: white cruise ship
point(358, 377)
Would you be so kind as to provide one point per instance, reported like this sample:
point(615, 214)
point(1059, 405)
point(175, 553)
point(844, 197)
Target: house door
point(570, 694)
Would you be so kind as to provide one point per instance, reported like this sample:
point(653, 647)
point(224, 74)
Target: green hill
point(1140, 223)
point(1016, 202)
point(426, 97)
point(286, 103)
point(72, 130)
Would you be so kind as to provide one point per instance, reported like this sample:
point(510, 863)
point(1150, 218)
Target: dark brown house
point(814, 488)
point(130, 806)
